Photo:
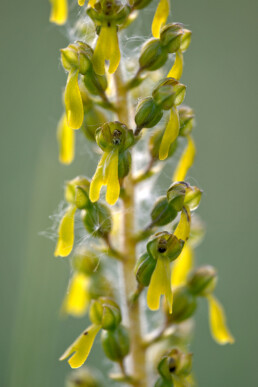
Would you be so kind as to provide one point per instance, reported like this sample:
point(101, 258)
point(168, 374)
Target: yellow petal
point(177, 69)
point(113, 186)
point(107, 48)
point(160, 17)
point(59, 11)
point(160, 284)
point(66, 233)
point(218, 326)
point(77, 299)
point(81, 347)
point(91, 3)
point(65, 137)
point(170, 134)
point(98, 179)
point(81, 2)
point(182, 266)
point(73, 101)
point(185, 162)
point(183, 228)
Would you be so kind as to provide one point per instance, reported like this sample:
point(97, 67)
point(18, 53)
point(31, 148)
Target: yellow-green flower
point(186, 161)
point(65, 137)
point(81, 347)
point(59, 11)
point(77, 299)
point(218, 325)
point(107, 48)
point(66, 233)
point(160, 17)
point(73, 101)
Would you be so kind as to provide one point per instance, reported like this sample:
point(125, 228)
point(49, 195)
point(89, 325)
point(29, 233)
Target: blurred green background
point(221, 72)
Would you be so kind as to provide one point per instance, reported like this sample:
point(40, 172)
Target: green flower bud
point(186, 117)
point(124, 164)
point(153, 55)
point(144, 269)
point(163, 213)
point(175, 363)
point(184, 305)
point(81, 197)
point(93, 118)
point(148, 113)
point(164, 94)
point(97, 220)
point(186, 40)
point(116, 343)
point(77, 56)
point(171, 37)
point(114, 135)
point(105, 312)
point(202, 281)
point(140, 4)
point(154, 144)
point(94, 83)
point(83, 378)
point(176, 195)
point(70, 189)
point(193, 197)
point(165, 244)
point(179, 90)
point(85, 261)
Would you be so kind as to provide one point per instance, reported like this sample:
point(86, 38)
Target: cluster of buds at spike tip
point(107, 15)
point(114, 139)
point(176, 366)
point(96, 217)
point(105, 315)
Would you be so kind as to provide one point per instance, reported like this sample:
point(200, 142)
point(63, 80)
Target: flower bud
point(184, 305)
point(175, 363)
point(105, 312)
point(163, 213)
point(94, 83)
point(176, 195)
point(81, 198)
point(85, 261)
point(164, 94)
point(97, 220)
point(202, 281)
point(144, 269)
point(148, 113)
point(83, 378)
point(116, 343)
point(171, 37)
point(124, 164)
point(77, 56)
point(179, 90)
point(193, 197)
point(113, 135)
point(164, 245)
point(154, 144)
point(70, 189)
point(153, 55)
point(186, 40)
point(186, 117)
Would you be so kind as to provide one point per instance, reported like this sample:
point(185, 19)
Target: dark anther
point(116, 137)
point(162, 249)
point(172, 365)
point(109, 24)
point(85, 333)
point(162, 246)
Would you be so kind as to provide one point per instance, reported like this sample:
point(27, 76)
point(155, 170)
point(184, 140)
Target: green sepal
point(97, 220)
point(148, 113)
point(162, 212)
point(153, 55)
point(144, 269)
point(184, 305)
point(116, 343)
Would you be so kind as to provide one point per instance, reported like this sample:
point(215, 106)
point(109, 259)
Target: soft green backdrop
point(221, 72)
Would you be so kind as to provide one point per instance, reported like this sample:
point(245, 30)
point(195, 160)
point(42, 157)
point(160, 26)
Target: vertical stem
point(134, 314)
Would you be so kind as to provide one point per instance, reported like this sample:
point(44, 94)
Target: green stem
point(138, 355)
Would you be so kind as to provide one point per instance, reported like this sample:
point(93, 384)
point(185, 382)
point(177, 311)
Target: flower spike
point(160, 17)
point(218, 326)
point(59, 11)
